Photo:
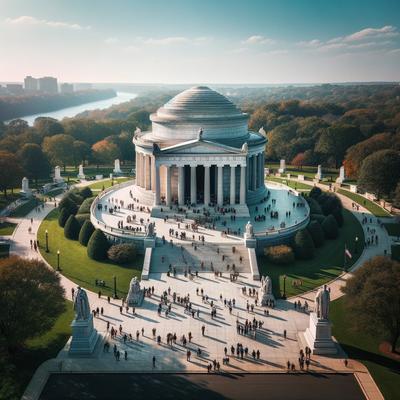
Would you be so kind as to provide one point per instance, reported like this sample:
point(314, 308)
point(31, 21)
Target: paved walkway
point(220, 332)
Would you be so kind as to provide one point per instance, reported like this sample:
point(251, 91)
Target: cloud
point(369, 33)
point(29, 20)
point(111, 40)
point(310, 43)
point(258, 39)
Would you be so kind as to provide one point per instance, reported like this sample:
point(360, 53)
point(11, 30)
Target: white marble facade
point(200, 152)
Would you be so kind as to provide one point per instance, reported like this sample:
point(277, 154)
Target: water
point(74, 110)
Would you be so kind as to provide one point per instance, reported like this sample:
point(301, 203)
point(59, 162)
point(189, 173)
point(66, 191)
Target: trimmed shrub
point(315, 192)
point(331, 204)
point(97, 246)
point(330, 227)
point(85, 206)
point(279, 254)
point(303, 245)
point(62, 218)
point(86, 192)
point(315, 208)
point(72, 228)
point(85, 232)
point(81, 218)
point(317, 217)
point(121, 253)
point(317, 233)
point(68, 204)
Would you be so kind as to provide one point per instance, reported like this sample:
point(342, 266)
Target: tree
point(380, 172)
point(373, 298)
point(97, 246)
point(59, 149)
point(299, 160)
point(63, 217)
point(81, 152)
point(303, 245)
point(72, 228)
point(68, 204)
point(330, 227)
point(31, 299)
point(86, 192)
point(317, 233)
point(121, 253)
point(105, 152)
point(47, 126)
point(85, 233)
point(11, 172)
point(34, 162)
point(396, 196)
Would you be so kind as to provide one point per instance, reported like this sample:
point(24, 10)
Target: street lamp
point(356, 249)
point(47, 241)
point(284, 286)
point(115, 287)
point(58, 260)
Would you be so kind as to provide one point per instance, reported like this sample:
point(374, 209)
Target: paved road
point(202, 386)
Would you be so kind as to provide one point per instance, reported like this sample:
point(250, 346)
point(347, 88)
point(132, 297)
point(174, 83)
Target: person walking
point(154, 361)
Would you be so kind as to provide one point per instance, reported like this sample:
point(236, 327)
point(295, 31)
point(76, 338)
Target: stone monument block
point(135, 294)
point(57, 175)
point(117, 167)
point(300, 177)
point(341, 177)
point(25, 187)
point(318, 175)
point(319, 336)
point(282, 167)
point(81, 174)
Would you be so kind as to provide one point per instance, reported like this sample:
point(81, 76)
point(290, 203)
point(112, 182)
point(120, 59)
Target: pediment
point(200, 147)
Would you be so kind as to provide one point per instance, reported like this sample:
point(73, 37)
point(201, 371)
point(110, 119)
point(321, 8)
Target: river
point(74, 110)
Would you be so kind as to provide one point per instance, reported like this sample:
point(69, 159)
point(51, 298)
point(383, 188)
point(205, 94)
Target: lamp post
point(356, 249)
point(115, 287)
point(284, 286)
point(58, 260)
point(47, 241)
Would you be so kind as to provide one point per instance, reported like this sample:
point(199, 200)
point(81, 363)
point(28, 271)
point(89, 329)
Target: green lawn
point(39, 350)
point(77, 266)
point(7, 228)
point(24, 209)
point(106, 184)
point(292, 184)
point(396, 252)
point(372, 207)
point(393, 229)
point(325, 266)
point(362, 347)
point(4, 250)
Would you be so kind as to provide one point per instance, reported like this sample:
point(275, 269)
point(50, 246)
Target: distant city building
point(15, 88)
point(30, 84)
point(83, 86)
point(48, 84)
point(66, 88)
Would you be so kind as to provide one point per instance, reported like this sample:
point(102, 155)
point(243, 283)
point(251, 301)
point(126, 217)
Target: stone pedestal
point(81, 174)
point(84, 337)
point(25, 191)
point(250, 241)
point(318, 175)
point(135, 294)
point(319, 337)
point(57, 175)
point(117, 167)
point(282, 167)
point(341, 177)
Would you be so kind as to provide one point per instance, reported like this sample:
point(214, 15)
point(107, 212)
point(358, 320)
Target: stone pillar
point(206, 185)
point(233, 185)
point(254, 166)
point(260, 169)
point(147, 172)
point(142, 170)
point(157, 197)
point(168, 186)
point(242, 185)
point(181, 185)
point(220, 191)
point(137, 168)
point(193, 185)
point(153, 173)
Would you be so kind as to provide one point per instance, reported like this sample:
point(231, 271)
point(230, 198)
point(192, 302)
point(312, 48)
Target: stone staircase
point(185, 257)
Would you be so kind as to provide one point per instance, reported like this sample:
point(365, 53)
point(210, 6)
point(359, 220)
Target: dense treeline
point(17, 106)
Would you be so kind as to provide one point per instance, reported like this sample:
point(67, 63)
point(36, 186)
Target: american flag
point(347, 252)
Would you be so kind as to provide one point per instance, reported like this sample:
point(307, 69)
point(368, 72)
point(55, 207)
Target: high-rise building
point(15, 88)
point(30, 84)
point(48, 84)
point(66, 88)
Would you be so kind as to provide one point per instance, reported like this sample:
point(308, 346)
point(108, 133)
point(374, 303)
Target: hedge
point(330, 227)
point(303, 245)
point(72, 228)
point(86, 192)
point(317, 233)
point(85, 232)
point(97, 246)
point(62, 218)
point(81, 218)
point(317, 217)
point(85, 206)
point(315, 208)
point(121, 253)
point(68, 204)
point(281, 254)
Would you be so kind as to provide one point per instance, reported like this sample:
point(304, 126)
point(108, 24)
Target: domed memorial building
point(200, 164)
point(200, 152)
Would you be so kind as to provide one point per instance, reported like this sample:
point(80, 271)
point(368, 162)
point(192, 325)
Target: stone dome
point(195, 108)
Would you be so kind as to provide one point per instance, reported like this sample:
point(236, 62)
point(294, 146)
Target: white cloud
point(394, 51)
point(368, 33)
point(166, 41)
point(111, 40)
point(310, 43)
point(29, 20)
point(258, 39)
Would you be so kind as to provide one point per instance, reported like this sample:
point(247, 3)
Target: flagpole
point(344, 261)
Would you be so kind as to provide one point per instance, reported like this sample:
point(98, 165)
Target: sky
point(201, 41)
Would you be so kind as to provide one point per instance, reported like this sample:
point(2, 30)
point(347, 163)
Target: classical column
point(168, 186)
point(242, 184)
point(206, 185)
point(153, 173)
point(157, 197)
point(143, 170)
point(193, 185)
point(254, 165)
point(137, 172)
point(259, 157)
point(220, 182)
point(147, 173)
point(181, 186)
point(233, 185)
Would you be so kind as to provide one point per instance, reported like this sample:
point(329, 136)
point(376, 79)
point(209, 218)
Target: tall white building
point(48, 84)
point(30, 84)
